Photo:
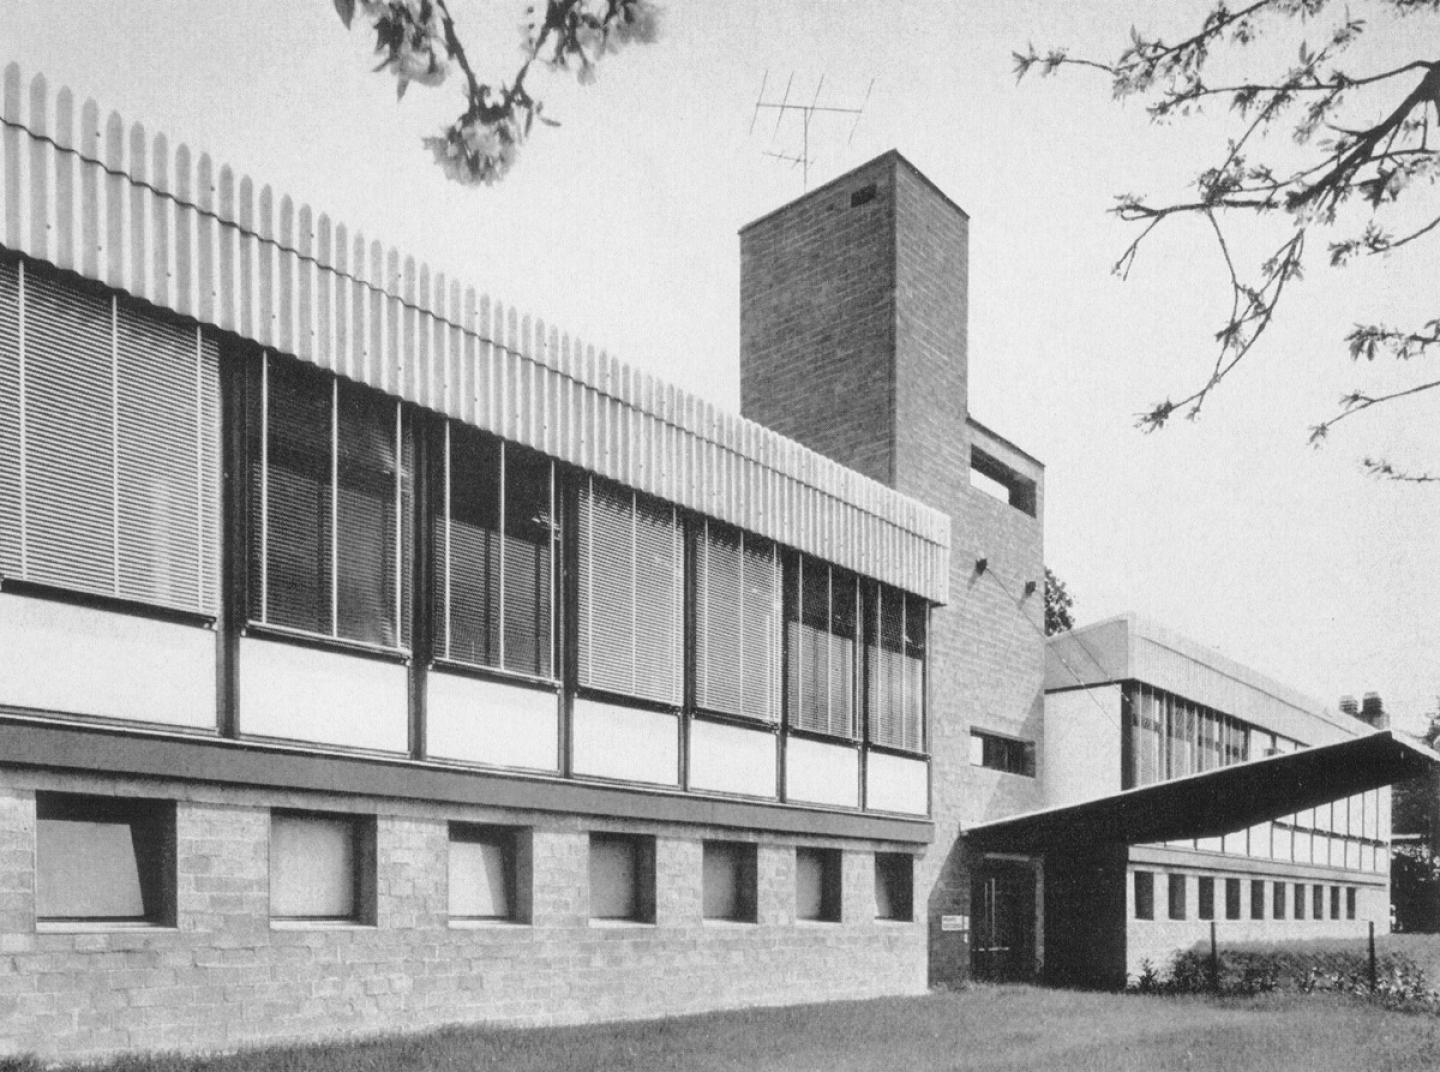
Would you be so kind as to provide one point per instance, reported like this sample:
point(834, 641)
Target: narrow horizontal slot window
point(1008, 754)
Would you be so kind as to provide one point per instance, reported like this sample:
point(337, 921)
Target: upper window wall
point(629, 628)
point(737, 623)
point(820, 630)
point(330, 506)
point(495, 538)
point(109, 446)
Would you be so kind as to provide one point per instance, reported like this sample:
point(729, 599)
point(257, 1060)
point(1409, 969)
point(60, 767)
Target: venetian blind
point(895, 671)
point(109, 455)
point(629, 558)
point(821, 635)
point(737, 605)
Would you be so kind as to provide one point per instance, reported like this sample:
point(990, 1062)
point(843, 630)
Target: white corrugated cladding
point(116, 206)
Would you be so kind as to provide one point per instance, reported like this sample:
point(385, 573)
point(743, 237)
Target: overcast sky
point(621, 227)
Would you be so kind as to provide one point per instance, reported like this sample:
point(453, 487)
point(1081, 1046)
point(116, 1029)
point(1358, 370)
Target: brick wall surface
point(853, 341)
point(225, 975)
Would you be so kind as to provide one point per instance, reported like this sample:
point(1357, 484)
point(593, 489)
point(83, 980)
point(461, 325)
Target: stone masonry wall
point(225, 975)
point(853, 341)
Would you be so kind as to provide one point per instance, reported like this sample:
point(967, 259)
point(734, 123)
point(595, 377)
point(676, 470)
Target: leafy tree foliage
point(418, 42)
point(1058, 602)
point(1360, 173)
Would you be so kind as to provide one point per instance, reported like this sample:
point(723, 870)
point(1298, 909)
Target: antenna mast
point(807, 112)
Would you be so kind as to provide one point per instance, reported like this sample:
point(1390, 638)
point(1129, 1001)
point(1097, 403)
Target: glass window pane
point(482, 874)
point(615, 877)
point(529, 532)
point(727, 881)
point(312, 867)
point(472, 633)
point(297, 591)
point(370, 502)
point(87, 870)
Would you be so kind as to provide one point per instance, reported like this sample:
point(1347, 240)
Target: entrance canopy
point(1215, 802)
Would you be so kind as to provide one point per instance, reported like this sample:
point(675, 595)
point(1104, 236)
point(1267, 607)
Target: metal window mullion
point(200, 505)
point(447, 612)
point(551, 522)
point(114, 445)
point(742, 608)
point(590, 582)
point(265, 486)
point(399, 520)
point(24, 429)
point(335, 507)
point(634, 595)
point(500, 646)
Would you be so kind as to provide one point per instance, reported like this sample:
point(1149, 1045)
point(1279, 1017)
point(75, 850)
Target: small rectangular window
point(1257, 898)
point(995, 478)
point(1177, 897)
point(484, 873)
point(1006, 754)
point(104, 860)
point(894, 886)
point(1278, 904)
point(1232, 898)
point(817, 884)
point(1144, 895)
point(1350, 902)
point(728, 880)
point(1206, 898)
point(622, 878)
point(321, 867)
point(1334, 902)
point(1317, 901)
point(1299, 900)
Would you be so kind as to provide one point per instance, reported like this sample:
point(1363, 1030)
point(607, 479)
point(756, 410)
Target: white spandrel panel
point(732, 759)
point(82, 661)
point(490, 722)
point(896, 783)
point(820, 773)
point(625, 743)
point(302, 693)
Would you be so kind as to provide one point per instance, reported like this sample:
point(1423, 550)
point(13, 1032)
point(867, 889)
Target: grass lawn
point(987, 1027)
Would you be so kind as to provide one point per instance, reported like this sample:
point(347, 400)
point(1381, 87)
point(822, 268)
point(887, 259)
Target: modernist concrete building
point(1132, 706)
point(374, 658)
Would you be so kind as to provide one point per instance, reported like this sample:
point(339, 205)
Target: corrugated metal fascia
point(123, 211)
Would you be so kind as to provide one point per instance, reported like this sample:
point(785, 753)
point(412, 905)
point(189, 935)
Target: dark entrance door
point(1003, 903)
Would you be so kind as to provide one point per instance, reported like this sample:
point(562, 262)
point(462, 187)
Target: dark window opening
point(818, 884)
point(1006, 754)
point(863, 196)
point(894, 886)
point(1206, 898)
point(104, 860)
point(1177, 897)
point(1144, 895)
point(728, 881)
point(1257, 898)
point(995, 478)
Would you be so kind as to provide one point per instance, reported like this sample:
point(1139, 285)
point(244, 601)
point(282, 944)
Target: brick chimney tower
point(853, 319)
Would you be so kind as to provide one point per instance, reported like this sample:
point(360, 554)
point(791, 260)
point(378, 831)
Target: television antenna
point(808, 112)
